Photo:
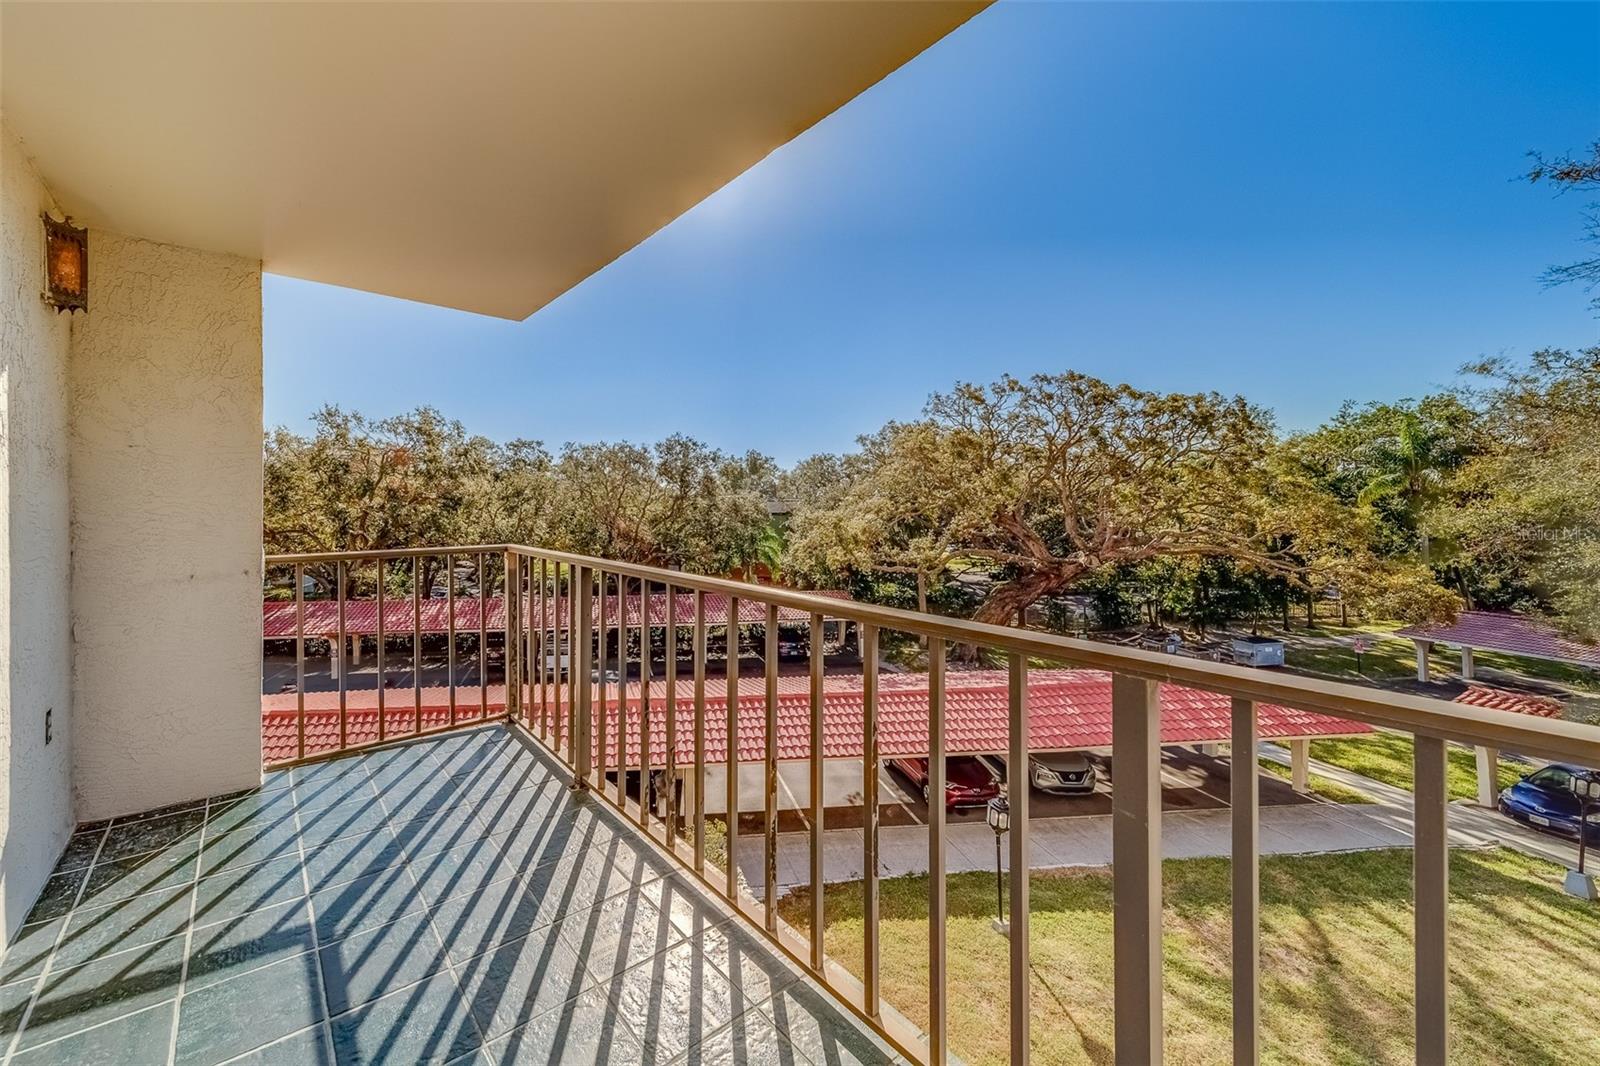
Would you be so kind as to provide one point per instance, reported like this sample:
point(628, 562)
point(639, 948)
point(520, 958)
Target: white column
point(355, 649)
point(1423, 648)
point(1488, 777)
point(1466, 664)
point(335, 660)
point(1300, 765)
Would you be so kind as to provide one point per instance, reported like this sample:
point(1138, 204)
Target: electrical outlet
point(49, 712)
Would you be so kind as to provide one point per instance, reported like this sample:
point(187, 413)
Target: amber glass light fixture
point(66, 265)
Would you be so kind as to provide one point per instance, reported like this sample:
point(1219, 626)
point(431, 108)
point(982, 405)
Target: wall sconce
point(66, 265)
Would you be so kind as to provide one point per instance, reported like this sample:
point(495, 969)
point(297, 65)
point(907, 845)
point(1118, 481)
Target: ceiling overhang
point(484, 156)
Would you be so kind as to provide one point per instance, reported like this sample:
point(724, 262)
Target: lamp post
point(1586, 786)
point(998, 815)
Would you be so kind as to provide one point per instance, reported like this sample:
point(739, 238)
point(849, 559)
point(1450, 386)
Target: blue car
point(1545, 799)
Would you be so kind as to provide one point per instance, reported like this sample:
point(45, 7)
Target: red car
point(967, 781)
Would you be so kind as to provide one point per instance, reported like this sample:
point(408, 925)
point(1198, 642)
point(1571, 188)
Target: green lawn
point(1392, 658)
point(1320, 786)
point(1386, 757)
point(1336, 960)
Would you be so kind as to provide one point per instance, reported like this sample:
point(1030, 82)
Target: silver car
point(1069, 772)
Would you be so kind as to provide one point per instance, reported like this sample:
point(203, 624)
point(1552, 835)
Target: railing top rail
point(1543, 737)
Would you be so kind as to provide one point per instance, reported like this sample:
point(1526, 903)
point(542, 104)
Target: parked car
point(967, 783)
point(1545, 799)
point(1069, 773)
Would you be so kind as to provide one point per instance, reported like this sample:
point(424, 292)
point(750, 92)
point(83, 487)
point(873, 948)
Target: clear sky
point(1301, 203)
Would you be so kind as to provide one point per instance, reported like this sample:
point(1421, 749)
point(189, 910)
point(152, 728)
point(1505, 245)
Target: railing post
point(580, 652)
point(382, 710)
point(344, 663)
point(869, 814)
point(937, 905)
point(1136, 867)
point(818, 696)
point(300, 656)
point(731, 884)
point(513, 637)
point(1244, 795)
point(1018, 775)
point(669, 758)
point(699, 813)
point(769, 893)
point(1431, 884)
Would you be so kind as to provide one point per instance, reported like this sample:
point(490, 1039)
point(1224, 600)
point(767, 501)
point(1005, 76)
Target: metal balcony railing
point(553, 618)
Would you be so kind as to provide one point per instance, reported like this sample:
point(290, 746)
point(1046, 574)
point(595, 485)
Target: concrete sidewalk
point(1314, 828)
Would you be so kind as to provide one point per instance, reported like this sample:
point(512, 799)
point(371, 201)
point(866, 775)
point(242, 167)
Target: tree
point(1574, 172)
point(1529, 499)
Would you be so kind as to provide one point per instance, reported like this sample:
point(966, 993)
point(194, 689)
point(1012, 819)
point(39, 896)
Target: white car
point(1069, 772)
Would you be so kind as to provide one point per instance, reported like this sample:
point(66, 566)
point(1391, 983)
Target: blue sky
point(1300, 203)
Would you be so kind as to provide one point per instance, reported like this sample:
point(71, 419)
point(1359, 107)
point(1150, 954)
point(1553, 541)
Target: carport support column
point(1467, 669)
point(1136, 867)
point(1423, 648)
point(1488, 777)
point(1300, 765)
point(335, 656)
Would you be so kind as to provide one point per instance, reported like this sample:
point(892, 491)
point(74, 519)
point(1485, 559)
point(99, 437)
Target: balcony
point(448, 899)
point(507, 837)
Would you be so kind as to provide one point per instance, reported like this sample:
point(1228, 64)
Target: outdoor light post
point(998, 815)
point(1586, 786)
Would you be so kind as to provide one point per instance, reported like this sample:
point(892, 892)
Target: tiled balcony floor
point(444, 901)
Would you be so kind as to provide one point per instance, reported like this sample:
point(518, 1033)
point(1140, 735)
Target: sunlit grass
point(1336, 972)
point(1319, 785)
point(1387, 757)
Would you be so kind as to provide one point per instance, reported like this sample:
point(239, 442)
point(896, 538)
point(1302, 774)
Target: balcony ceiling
point(480, 156)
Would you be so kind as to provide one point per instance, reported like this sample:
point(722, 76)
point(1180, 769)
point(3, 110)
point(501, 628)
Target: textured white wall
point(165, 400)
point(35, 634)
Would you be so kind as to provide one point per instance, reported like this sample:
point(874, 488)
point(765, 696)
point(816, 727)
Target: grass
point(1336, 960)
point(1387, 757)
point(1391, 659)
point(1324, 787)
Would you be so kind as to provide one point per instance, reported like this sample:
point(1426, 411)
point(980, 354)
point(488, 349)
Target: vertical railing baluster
point(544, 649)
point(582, 667)
point(343, 660)
point(731, 874)
point(450, 626)
point(300, 656)
point(513, 637)
point(416, 643)
point(869, 829)
point(381, 635)
point(669, 758)
point(623, 730)
point(483, 643)
point(1431, 885)
point(938, 906)
point(1244, 796)
point(600, 731)
point(645, 637)
point(769, 888)
point(569, 723)
point(818, 662)
point(1018, 774)
point(698, 814)
point(1136, 866)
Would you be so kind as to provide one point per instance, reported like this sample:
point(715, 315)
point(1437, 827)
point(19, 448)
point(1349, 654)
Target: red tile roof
point(1068, 709)
point(1515, 634)
point(1500, 699)
point(361, 616)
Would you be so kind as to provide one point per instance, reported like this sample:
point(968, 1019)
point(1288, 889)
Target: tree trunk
point(1007, 602)
point(1311, 610)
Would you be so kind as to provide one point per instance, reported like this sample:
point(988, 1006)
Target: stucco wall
point(35, 635)
point(165, 398)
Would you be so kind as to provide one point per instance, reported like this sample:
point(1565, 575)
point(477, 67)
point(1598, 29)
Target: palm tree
point(1412, 465)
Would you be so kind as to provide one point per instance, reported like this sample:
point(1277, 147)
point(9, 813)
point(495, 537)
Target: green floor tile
point(245, 942)
point(518, 981)
point(135, 1040)
point(309, 1047)
point(58, 895)
point(248, 888)
point(363, 967)
point(234, 1016)
point(130, 923)
point(28, 950)
point(465, 868)
point(366, 818)
point(369, 901)
point(138, 838)
point(96, 992)
point(120, 879)
point(352, 858)
point(425, 1023)
point(585, 1030)
point(81, 849)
